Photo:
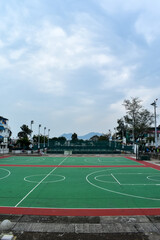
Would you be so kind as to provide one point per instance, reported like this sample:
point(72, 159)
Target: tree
point(24, 136)
point(74, 137)
point(121, 128)
point(104, 137)
point(25, 131)
point(138, 118)
point(35, 139)
point(94, 138)
point(62, 140)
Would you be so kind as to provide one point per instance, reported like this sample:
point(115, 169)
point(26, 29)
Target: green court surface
point(78, 183)
point(80, 161)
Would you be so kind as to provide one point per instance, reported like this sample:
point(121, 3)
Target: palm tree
point(24, 136)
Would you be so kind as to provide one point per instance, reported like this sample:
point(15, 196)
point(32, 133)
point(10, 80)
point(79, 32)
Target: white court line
point(113, 191)
point(6, 175)
point(140, 184)
point(115, 178)
point(40, 183)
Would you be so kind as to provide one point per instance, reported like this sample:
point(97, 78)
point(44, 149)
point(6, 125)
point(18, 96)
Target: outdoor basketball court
point(79, 186)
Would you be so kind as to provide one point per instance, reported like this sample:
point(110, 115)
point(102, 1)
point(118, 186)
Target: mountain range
point(84, 137)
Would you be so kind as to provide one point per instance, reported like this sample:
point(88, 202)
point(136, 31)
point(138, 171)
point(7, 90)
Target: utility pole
point(154, 104)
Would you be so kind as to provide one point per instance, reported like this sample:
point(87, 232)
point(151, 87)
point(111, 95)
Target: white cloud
point(147, 18)
point(86, 101)
point(86, 119)
point(83, 65)
point(121, 6)
point(113, 6)
point(147, 95)
point(56, 53)
point(1, 44)
point(117, 76)
point(117, 107)
point(61, 49)
point(4, 63)
point(50, 53)
point(148, 25)
point(100, 60)
point(17, 54)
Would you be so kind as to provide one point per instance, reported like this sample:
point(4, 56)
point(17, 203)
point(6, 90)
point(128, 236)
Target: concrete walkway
point(121, 227)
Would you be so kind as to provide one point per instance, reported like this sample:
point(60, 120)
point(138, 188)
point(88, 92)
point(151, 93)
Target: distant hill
point(67, 135)
point(84, 137)
point(89, 135)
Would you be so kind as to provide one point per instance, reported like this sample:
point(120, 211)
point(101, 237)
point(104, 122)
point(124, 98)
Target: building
point(5, 133)
point(151, 134)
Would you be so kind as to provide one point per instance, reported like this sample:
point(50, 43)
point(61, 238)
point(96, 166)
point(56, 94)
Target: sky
point(69, 64)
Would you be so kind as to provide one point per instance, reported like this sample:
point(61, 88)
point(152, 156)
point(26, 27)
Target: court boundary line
point(73, 166)
point(1, 157)
point(87, 166)
point(146, 164)
point(79, 212)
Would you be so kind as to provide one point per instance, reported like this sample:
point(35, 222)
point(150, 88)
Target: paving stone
point(118, 227)
point(154, 218)
point(82, 228)
point(157, 225)
point(60, 219)
point(153, 236)
point(44, 227)
point(123, 219)
point(95, 228)
point(65, 228)
point(77, 228)
point(146, 228)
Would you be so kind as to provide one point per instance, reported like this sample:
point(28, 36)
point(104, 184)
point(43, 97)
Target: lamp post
point(31, 132)
point(44, 137)
point(110, 138)
point(39, 136)
point(48, 137)
point(115, 136)
point(154, 104)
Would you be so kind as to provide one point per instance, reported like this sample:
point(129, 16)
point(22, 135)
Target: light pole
point(39, 136)
point(110, 138)
point(154, 104)
point(115, 136)
point(44, 137)
point(31, 132)
point(48, 137)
